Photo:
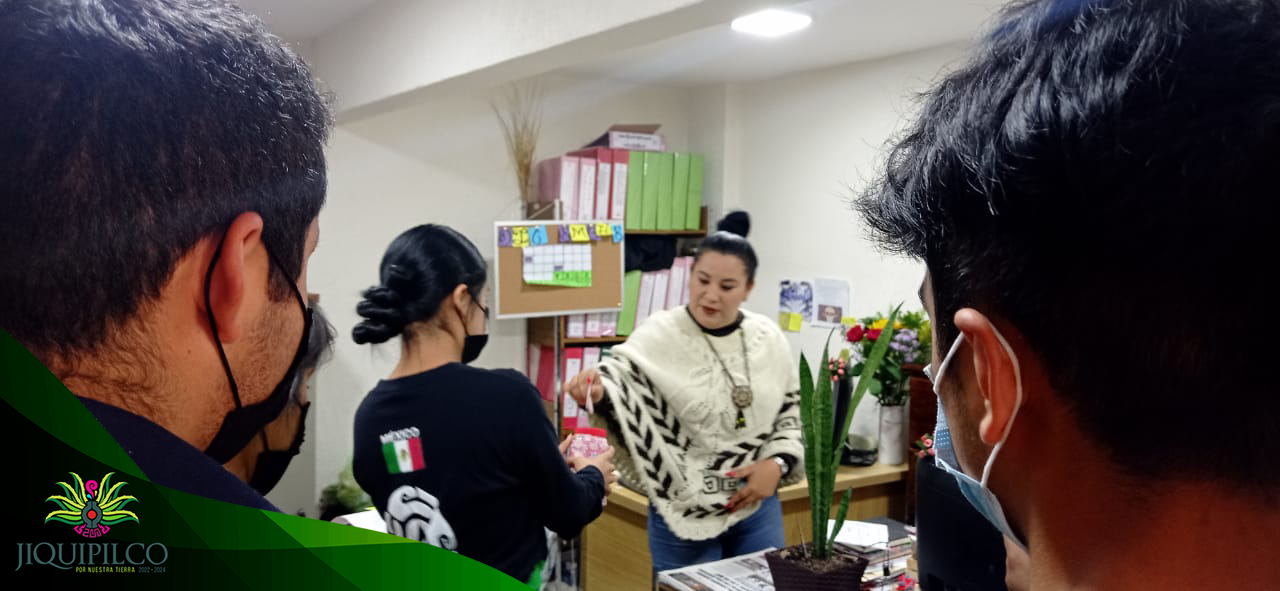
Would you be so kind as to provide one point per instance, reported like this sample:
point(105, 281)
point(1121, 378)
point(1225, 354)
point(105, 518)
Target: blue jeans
point(762, 530)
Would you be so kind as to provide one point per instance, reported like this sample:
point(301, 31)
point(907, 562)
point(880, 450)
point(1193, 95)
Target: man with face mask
point(262, 463)
point(158, 221)
point(1105, 399)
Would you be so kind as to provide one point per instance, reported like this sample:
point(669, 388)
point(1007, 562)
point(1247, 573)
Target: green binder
point(666, 199)
point(652, 186)
point(635, 187)
point(630, 299)
point(679, 193)
point(693, 205)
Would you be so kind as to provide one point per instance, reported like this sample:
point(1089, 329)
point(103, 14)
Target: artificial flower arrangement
point(910, 343)
point(924, 446)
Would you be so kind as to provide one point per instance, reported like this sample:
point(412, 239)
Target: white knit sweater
point(674, 408)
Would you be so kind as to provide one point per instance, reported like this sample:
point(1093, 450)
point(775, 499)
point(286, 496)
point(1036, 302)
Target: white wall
point(808, 143)
point(714, 131)
point(443, 162)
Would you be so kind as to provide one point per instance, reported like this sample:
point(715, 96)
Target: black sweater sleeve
point(567, 501)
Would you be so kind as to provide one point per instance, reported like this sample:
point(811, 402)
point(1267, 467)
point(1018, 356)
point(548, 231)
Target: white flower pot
point(893, 434)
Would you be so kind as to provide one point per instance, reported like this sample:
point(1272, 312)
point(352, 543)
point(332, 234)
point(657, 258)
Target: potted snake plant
point(817, 564)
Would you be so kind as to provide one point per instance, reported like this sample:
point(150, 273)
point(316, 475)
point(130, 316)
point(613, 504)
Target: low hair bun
point(383, 313)
point(421, 267)
point(382, 297)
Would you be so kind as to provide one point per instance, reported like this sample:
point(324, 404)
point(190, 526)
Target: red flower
point(855, 334)
point(873, 334)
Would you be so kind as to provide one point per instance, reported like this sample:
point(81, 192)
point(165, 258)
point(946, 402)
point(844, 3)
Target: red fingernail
point(730, 474)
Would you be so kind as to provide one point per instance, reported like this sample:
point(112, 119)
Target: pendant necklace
point(741, 393)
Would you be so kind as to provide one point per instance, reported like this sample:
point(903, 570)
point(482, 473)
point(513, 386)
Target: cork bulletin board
point(541, 267)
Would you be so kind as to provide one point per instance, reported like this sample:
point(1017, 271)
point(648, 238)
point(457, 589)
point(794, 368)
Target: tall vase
point(893, 434)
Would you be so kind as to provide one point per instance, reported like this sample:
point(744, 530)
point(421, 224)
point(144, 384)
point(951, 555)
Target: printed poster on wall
point(795, 304)
point(830, 300)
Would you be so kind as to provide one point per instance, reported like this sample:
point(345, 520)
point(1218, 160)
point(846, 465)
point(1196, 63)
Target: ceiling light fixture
point(771, 23)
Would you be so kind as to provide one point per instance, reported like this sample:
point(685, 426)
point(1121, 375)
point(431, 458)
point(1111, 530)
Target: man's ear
point(994, 374)
point(236, 271)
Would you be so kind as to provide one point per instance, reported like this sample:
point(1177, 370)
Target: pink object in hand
point(587, 442)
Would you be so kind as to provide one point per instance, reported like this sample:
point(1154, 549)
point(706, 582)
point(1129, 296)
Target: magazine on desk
point(748, 572)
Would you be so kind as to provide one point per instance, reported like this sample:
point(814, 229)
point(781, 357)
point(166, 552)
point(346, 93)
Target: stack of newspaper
point(749, 572)
point(885, 543)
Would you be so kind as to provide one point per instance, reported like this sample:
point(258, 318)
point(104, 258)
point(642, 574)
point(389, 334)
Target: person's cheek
point(284, 435)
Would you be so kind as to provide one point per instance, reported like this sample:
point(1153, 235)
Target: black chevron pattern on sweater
point(637, 402)
point(739, 454)
point(701, 511)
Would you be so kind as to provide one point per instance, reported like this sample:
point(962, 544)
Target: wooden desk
point(615, 548)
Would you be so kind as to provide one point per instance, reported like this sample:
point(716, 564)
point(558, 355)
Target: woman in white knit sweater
point(706, 400)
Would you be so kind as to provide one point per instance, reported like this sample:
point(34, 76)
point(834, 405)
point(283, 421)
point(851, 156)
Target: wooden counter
point(615, 548)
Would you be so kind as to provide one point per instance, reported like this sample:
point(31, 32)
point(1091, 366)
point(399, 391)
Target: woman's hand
point(762, 483)
point(577, 387)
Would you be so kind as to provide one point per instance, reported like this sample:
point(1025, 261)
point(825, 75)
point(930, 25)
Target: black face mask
point(242, 423)
point(273, 462)
point(473, 344)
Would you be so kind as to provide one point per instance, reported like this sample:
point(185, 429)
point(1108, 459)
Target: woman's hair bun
point(735, 222)
point(384, 316)
point(421, 267)
point(730, 238)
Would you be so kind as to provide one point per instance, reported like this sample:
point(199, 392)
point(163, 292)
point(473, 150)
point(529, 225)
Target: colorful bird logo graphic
point(91, 511)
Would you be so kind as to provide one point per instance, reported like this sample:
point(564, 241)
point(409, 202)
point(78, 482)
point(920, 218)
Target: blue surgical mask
point(979, 494)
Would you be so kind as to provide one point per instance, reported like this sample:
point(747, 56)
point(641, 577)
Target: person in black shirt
point(163, 174)
point(455, 456)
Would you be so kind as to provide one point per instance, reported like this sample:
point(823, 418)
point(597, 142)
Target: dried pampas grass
point(519, 112)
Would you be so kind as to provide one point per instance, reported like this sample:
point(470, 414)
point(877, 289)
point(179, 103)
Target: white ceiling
point(842, 31)
point(298, 20)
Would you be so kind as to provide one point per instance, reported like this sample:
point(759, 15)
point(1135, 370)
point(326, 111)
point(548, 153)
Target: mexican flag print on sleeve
point(403, 455)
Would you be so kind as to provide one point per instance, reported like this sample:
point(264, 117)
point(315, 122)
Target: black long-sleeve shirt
point(465, 459)
point(169, 461)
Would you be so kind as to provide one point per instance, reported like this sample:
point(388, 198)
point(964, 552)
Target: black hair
point(730, 238)
point(319, 342)
point(1101, 176)
point(133, 129)
point(319, 345)
point(419, 271)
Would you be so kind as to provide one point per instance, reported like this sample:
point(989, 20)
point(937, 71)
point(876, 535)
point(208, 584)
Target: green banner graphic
point(81, 512)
